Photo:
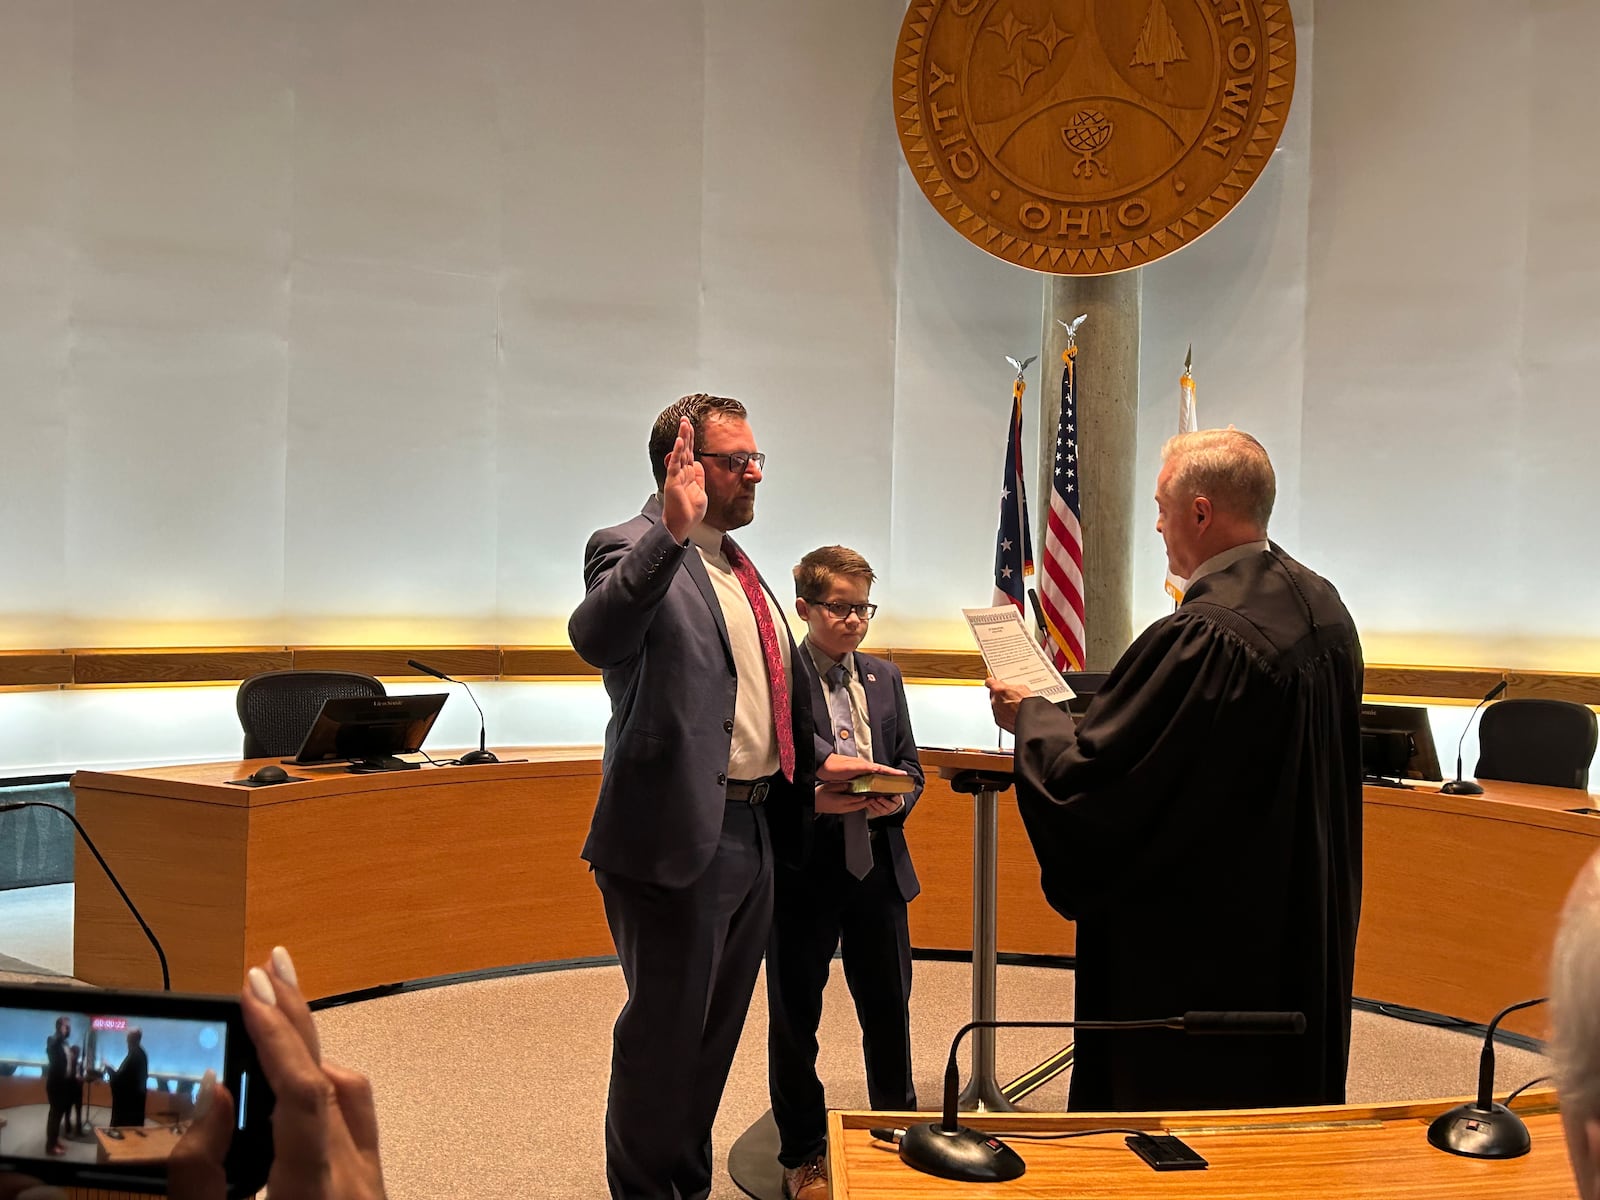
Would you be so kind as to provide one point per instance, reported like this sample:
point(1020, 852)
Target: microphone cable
point(14, 805)
point(1526, 1086)
point(889, 1135)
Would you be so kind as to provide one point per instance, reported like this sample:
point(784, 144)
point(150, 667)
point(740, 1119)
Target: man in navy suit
point(853, 888)
point(707, 778)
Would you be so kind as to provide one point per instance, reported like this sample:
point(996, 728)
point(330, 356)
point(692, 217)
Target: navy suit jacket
point(652, 623)
point(893, 745)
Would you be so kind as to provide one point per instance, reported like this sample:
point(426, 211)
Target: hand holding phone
point(149, 1035)
point(303, 1148)
point(322, 1151)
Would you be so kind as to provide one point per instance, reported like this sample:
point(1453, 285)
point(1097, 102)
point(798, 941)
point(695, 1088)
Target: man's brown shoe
point(808, 1181)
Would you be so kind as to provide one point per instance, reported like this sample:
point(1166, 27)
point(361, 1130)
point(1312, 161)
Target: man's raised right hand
point(683, 495)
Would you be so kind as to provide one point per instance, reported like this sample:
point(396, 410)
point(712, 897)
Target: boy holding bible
point(851, 893)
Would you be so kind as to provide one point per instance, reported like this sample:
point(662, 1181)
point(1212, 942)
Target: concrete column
point(1108, 432)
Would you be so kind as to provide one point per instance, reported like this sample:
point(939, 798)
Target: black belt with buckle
point(748, 791)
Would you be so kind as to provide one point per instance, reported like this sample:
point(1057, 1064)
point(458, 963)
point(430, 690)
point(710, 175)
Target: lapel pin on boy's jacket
point(871, 678)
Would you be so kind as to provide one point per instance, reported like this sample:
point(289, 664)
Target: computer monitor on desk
point(1397, 743)
point(369, 731)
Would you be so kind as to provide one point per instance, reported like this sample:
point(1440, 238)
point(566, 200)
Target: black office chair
point(278, 708)
point(1537, 741)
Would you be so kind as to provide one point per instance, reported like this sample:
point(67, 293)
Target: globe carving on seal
point(1089, 132)
point(1090, 136)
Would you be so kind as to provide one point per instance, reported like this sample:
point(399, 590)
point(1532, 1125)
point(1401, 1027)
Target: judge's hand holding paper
point(1003, 701)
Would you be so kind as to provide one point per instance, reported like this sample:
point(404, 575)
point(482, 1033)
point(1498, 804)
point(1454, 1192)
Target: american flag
point(1061, 593)
point(1013, 544)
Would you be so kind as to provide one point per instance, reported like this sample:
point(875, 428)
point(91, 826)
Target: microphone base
point(963, 1155)
point(1473, 1132)
point(474, 757)
point(1461, 787)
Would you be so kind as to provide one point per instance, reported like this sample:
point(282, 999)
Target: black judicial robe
point(128, 1088)
point(1202, 826)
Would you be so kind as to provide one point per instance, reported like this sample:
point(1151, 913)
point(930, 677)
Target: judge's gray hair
point(1228, 467)
point(1575, 995)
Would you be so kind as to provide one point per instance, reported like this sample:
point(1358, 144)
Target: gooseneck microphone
point(472, 757)
point(953, 1151)
point(161, 955)
point(1483, 1128)
point(1459, 786)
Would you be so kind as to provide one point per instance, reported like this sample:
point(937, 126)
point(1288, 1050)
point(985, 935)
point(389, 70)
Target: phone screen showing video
point(82, 1086)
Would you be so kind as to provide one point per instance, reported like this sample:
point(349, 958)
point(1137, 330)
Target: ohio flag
point(1013, 544)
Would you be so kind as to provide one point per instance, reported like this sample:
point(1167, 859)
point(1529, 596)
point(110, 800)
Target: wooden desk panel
point(1462, 895)
point(470, 874)
point(372, 879)
point(1354, 1153)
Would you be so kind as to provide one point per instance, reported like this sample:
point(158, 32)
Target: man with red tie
point(708, 773)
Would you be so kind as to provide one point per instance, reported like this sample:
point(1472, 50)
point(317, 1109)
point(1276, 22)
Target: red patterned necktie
point(777, 683)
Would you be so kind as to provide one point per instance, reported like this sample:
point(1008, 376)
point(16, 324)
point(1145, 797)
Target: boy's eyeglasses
point(838, 610)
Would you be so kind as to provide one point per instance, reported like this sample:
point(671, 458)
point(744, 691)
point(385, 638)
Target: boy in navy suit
point(853, 887)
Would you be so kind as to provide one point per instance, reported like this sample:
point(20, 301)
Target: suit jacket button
point(721, 777)
point(727, 727)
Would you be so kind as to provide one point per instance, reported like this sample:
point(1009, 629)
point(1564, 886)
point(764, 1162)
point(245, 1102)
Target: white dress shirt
point(754, 751)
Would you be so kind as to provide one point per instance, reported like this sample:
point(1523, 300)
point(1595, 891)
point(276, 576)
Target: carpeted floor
point(497, 1089)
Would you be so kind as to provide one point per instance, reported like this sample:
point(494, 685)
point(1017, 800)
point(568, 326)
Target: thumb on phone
point(195, 1169)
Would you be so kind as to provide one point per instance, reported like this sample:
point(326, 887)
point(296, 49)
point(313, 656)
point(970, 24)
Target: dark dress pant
point(690, 957)
point(60, 1104)
point(819, 908)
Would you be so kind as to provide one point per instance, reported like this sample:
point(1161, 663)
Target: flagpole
point(1188, 422)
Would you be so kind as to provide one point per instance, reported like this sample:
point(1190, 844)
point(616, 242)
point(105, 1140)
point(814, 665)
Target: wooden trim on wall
point(175, 666)
point(543, 662)
point(1553, 685)
point(1443, 683)
point(38, 669)
point(35, 668)
point(389, 662)
point(936, 666)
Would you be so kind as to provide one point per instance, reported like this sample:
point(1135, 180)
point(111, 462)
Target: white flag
point(1188, 422)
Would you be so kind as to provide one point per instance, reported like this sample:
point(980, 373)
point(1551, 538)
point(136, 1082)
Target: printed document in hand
point(1011, 655)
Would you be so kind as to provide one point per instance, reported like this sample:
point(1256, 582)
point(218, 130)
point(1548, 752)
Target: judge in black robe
point(1202, 825)
point(130, 1083)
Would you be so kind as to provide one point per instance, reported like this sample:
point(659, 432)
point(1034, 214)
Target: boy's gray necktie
point(857, 841)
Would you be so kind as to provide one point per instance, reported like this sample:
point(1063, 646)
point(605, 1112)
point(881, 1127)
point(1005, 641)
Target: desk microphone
point(1459, 786)
point(14, 805)
point(952, 1151)
point(1483, 1128)
point(472, 757)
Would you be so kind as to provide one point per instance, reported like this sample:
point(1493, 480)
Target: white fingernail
point(208, 1093)
point(283, 966)
point(261, 987)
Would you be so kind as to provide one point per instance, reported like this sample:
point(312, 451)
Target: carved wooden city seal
point(1082, 137)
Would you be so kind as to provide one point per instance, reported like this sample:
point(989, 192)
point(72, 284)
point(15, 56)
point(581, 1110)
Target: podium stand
point(970, 775)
